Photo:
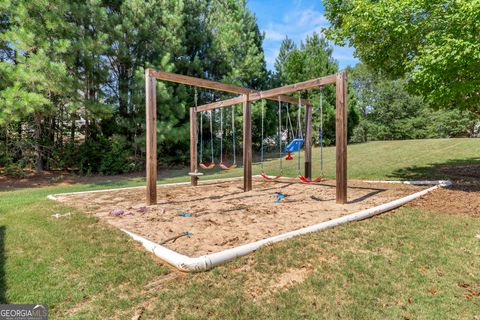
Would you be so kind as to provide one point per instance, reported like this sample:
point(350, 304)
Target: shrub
point(14, 170)
point(105, 156)
point(117, 159)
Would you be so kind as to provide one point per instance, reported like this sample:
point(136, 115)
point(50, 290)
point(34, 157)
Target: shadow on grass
point(453, 170)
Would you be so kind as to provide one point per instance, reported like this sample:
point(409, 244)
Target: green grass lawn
point(412, 159)
point(407, 264)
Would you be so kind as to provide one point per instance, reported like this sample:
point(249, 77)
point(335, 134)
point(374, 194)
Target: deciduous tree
point(434, 44)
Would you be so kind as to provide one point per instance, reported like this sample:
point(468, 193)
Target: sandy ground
point(463, 197)
point(458, 199)
point(223, 216)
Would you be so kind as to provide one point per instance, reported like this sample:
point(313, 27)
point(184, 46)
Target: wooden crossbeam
point(220, 104)
point(197, 82)
point(309, 84)
point(274, 94)
point(209, 84)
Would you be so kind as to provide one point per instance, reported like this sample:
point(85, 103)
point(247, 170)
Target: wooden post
point(341, 137)
point(151, 119)
point(308, 142)
point(193, 145)
point(247, 145)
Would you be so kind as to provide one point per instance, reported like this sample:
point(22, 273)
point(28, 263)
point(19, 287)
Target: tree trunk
point(123, 88)
point(123, 102)
point(59, 137)
point(72, 132)
point(51, 137)
point(92, 94)
point(7, 153)
point(38, 151)
point(18, 152)
point(87, 129)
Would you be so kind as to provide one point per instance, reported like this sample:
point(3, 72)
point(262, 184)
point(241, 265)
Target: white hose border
point(207, 262)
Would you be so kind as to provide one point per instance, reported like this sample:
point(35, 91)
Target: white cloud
point(299, 23)
point(272, 35)
point(270, 57)
point(344, 55)
point(309, 18)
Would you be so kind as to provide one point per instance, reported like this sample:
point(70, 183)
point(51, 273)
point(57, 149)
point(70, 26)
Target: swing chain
point(321, 131)
point(299, 115)
point(221, 135)
point(233, 135)
point(211, 135)
point(201, 126)
point(280, 133)
point(299, 132)
point(261, 148)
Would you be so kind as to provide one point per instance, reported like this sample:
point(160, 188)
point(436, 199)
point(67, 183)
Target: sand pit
point(225, 217)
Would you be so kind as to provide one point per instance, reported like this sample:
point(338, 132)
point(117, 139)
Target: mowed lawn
point(392, 160)
point(406, 264)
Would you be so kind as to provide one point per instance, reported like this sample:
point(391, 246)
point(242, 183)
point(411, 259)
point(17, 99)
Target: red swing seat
point(224, 167)
point(270, 178)
point(203, 166)
point(306, 180)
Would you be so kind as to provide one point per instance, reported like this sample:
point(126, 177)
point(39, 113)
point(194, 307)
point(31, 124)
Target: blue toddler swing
point(296, 144)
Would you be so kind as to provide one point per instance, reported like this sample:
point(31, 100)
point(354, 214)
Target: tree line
point(72, 82)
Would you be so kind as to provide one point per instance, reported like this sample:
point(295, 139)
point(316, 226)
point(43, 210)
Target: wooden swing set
point(246, 97)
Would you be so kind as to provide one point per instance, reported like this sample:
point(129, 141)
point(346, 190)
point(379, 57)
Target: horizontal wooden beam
point(197, 82)
point(309, 84)
point(273, 94)
point(220, 104)
point(202, 83)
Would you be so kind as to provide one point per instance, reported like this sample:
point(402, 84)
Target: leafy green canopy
point(435, 43)
point(389, 112)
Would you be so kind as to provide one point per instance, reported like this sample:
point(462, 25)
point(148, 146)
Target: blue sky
point(296, 19)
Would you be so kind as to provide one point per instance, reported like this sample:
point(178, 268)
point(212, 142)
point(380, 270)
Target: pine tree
point(285, 48)
point(140, 34)
point(86, 65)
point(236, 53)
point(37, 76)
